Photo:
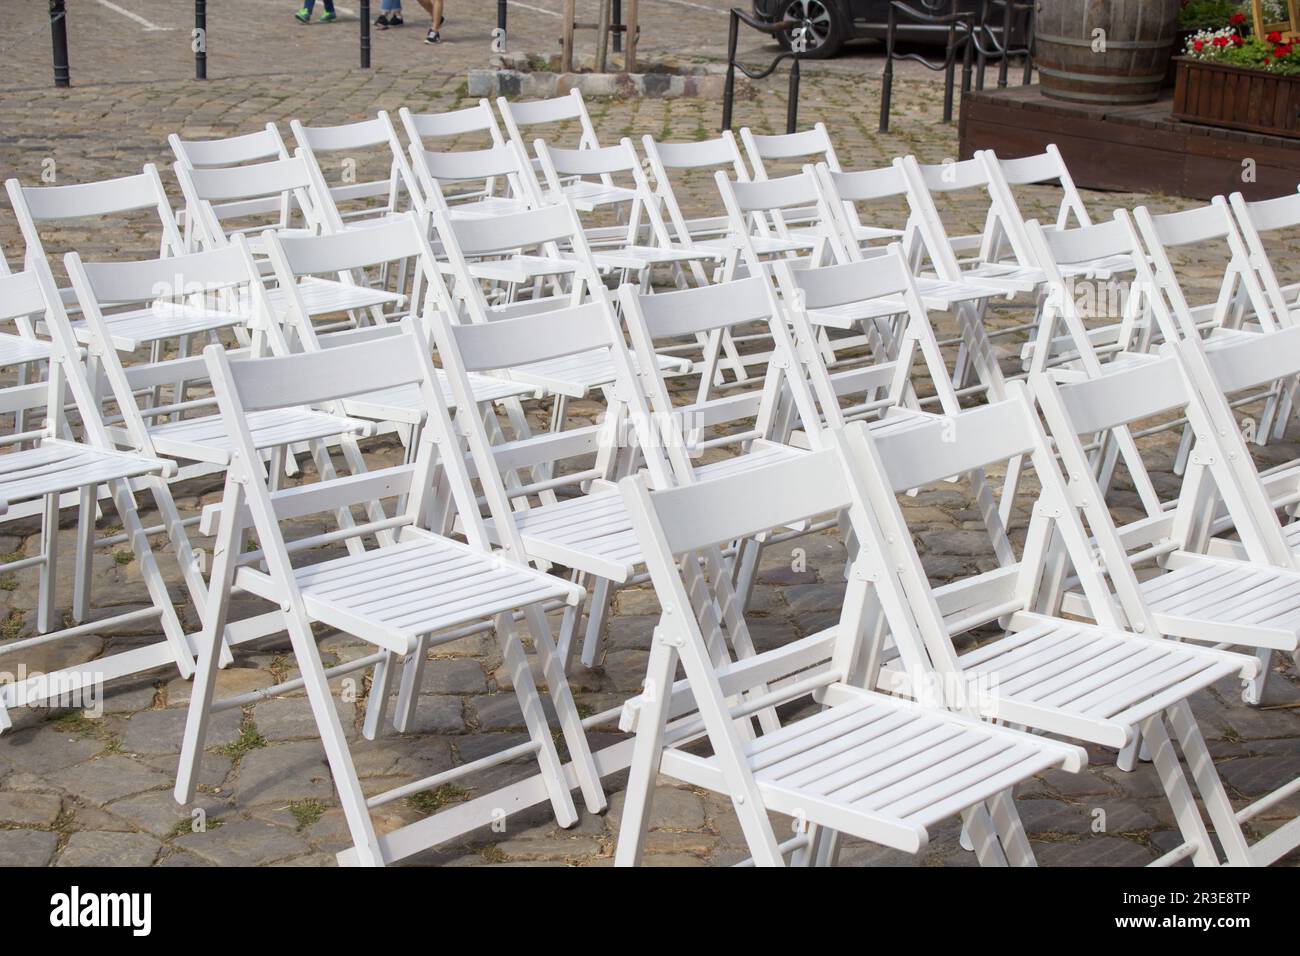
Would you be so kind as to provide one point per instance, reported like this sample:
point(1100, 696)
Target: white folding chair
point(378, 198)
point(401, 238)
point(626, 253)
point(861, 763)
point(399, 597)
point(447, 174)
point(293, 181)
point(1193, 596)
point(262, 146)
point(560, 109)
point(1254, 220)
point(1093, 683)
point(706, 155)
point(40, 465)
point(1039, 169)
point(154, 416)
point(33, 205)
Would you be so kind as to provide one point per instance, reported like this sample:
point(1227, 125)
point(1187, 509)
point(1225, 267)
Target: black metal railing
point(991, 45)
point(961, 27)
point(771, 29)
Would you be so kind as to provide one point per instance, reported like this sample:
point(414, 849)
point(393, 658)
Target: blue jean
point(308, 4)
point(390, 6)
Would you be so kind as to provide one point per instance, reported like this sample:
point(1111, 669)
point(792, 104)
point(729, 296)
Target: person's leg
point(329, 15)
point(390, 14)
point(304, 13)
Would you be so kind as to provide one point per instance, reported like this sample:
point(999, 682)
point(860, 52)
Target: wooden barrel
point(1126, 63)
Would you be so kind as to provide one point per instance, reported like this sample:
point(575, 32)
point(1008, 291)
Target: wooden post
point(631, 35)
point(602, 36)
point(566, 49)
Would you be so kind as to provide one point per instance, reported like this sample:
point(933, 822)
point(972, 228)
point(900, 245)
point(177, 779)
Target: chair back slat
point(355, 249)
point(521, 230)
point(474, 164)
point(1085, 243)
point(809, 142)
point(721, 510)
point(536, 112)
point(504, 343)
point(709, 152)
point(231, 151)
point(1256, 360)
point(587, 162)
point(20, 295)
point(306, 378)
point(471, 119)
point(947, 177)
point(247, 182)
point(1119, 398)
point(1031, 170)
point(358, 135)
point(85, 200)
point(850, 282)
point(1267, 215)
point(865, 185)
point(954, 445)
point(769, 194)
point(149, 279)
point(705, 308)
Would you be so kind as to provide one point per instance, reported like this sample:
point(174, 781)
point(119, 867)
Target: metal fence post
point(200, 39)
point(792, 108)
point(365, 34)
point(729, 90)
point(59, 34)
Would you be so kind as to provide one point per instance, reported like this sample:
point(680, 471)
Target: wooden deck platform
point(1130, 148)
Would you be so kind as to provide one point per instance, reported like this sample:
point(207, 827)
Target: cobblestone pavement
point(76, 790)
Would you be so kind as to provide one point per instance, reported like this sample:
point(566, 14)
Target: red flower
point(1267, 61)
point(1237, 40)
point(1274, 37)
point(1220, 41)
point(1237, 19)
point(1282, 52)
point(1198, 45)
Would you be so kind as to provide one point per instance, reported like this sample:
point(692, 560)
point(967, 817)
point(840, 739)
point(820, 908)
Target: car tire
point(830, 30)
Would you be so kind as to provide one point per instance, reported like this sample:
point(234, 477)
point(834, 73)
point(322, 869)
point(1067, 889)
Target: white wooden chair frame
point(44, 467)
point(395, 597)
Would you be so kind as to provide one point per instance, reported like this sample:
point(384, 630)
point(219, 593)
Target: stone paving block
point(1094, 851)
point(290, 718)
point(90, 848)
point(280, 773)
point(244, 843)
point(158, 812)
point(108, 778)
point(29, 809)
point(161, 731)
point(27, 847)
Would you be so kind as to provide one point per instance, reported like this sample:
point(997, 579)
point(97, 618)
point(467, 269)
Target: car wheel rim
point(816, 18)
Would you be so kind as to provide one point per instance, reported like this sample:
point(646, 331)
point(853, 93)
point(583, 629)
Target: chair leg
point(81, 588)
point(602, 595)
point(984, 838)
point(647, 750)
point(408, 692)
point(1177, 791)
point(1208, 784)
point(45, 607)
point(1011, 831)
point(566, 711)
point(530, 703)
point(381, 686)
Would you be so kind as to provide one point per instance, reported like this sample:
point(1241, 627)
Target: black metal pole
point(729, 90)
point(501, 22)
point(617, 19)
point(59, 33)
point(200, 39)
point(792, 108)
point(365, 34)
point(887, 79)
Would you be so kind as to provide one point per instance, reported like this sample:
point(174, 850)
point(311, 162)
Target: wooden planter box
point(1219, 95)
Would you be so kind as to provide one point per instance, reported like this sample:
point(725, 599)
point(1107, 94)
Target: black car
point(835, 21)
